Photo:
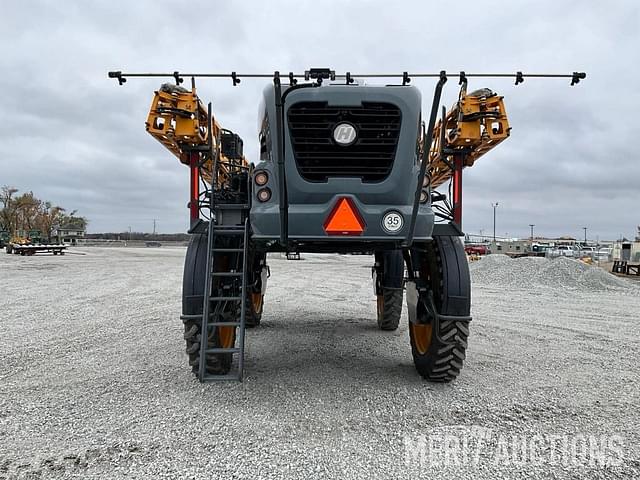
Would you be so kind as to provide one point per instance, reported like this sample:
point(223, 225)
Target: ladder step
point(230, 376)
point(225, 298)
point(228, 232)
point(222, 350)
point(237, 228)
point(231, 206)
point(198, 316)
point(226, 274)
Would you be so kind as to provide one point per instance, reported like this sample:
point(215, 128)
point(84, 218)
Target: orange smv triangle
point(344, 219)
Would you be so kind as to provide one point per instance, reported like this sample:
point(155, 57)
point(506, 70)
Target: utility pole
point(532, 225)
point(494, 205)
point(154, 226)
point(585, 236)
point(129, 232)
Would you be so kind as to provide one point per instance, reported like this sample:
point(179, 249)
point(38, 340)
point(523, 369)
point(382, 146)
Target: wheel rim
point(421, 336)
point(380, 305)
point(226, 336)
point(257, 300)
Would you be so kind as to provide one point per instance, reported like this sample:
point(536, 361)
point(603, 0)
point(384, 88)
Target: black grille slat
point(325, 170)
point(318, 157)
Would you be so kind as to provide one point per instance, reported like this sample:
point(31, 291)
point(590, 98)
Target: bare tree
point(9, 212)
point(28, 210)
point(21, 213)
point(73, 221)
point(49, 218)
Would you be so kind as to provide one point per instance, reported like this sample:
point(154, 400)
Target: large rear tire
point(253, 309)
point(389, 279)
point(255, 298)
point(193, 284)
point(439, 355)
point(389, 308)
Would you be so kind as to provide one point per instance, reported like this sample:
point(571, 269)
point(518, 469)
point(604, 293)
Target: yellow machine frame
point(472, 127)
point(179, 121)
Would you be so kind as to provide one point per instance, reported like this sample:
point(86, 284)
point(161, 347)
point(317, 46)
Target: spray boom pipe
point(519, 77)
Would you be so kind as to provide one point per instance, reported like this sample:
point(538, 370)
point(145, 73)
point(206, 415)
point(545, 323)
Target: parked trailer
point(19, 249)
point(622, 266)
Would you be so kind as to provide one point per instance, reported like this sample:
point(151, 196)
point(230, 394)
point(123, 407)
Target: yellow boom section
point(473, 126)
point(179, 121)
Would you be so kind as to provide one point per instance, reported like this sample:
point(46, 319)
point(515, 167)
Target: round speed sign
point(392, 222)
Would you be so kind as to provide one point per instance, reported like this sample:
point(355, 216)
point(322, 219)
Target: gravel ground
point(94, 381)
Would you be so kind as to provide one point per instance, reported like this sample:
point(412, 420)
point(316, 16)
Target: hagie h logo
point(344, 134)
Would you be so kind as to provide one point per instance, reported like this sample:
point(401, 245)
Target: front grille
point(318, 156)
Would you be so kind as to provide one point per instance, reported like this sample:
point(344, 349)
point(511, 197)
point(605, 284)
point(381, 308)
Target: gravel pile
point(531, 272)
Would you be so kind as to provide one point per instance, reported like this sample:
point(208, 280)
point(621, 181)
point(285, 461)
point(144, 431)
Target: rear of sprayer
point(344, 167)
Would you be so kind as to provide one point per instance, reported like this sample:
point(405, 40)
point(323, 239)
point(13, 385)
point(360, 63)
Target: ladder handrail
point(243, 305)
point(206, 307)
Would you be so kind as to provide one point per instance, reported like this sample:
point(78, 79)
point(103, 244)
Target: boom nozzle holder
point(348, 78)
point(577, 76)
point(519, 78)
point(118, 75)
point(319, 74)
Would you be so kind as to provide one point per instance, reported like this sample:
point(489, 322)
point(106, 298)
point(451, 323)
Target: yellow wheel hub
point(226, 336)
point(421, 335)
point(256, 300)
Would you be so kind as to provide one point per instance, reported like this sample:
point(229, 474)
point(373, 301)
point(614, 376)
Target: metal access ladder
point(229, 292)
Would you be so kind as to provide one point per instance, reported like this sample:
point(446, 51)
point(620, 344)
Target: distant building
point(69, 235)
point(510, 246)
point(627, 251)
point(565, 241)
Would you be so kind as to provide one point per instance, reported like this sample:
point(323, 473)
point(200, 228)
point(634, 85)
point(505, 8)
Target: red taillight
point(261, 178)
point(264, 194)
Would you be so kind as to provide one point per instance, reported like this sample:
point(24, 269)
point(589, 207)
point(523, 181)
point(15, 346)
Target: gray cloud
point(76, 138)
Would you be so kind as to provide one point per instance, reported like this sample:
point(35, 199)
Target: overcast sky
point(75, 137)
